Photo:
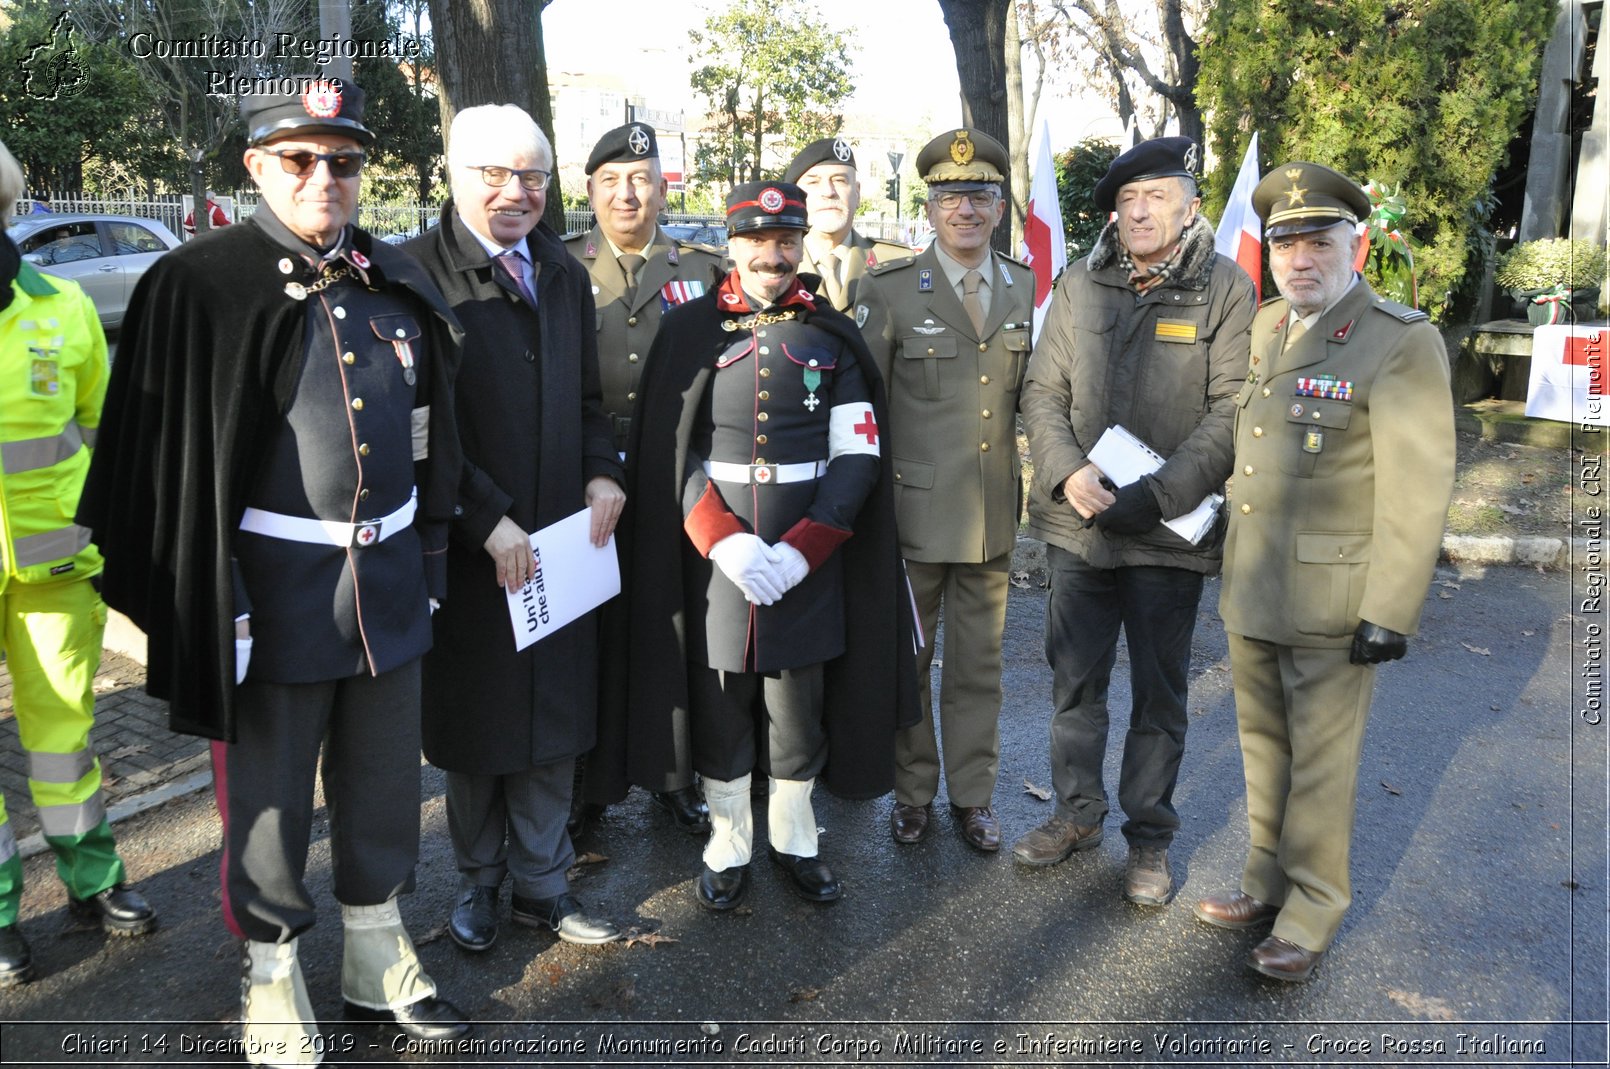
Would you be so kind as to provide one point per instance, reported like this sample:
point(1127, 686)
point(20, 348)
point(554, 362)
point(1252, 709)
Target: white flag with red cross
point(1045, 243)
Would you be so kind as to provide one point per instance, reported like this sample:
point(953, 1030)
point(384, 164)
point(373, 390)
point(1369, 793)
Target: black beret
point(1161, 157)
point(960, 159)
point(632, 142)
point(764, 205)
point(328, 107)
point(826, 150)
point(1303, 196)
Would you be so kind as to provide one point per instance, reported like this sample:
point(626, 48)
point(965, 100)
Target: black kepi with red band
point(766, 206)
point(326, 107)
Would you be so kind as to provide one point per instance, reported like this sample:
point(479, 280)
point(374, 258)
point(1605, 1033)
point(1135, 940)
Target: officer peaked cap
point(1300, 196)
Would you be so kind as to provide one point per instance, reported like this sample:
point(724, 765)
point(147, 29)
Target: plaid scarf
point(1148, 278)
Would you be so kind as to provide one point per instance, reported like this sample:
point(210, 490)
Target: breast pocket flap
point(935, 347)
point(394, 328)
point(1327, 548)
point(914, 473)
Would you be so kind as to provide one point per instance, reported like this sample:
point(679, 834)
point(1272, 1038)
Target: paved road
point(1477, 934)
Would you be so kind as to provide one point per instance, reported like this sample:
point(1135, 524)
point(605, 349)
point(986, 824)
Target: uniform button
point(363, 450)
point(765, 372)
point(765, 395)
point(348, 358)
point(1247, 470)
point(930, 350)
point(983, 345)
point(363, 495)
point(983, 447)
point(897, 476)
point(340, 313)
point(760, 439)
point(1246, 510)
point(763, 417)
point(1315, 414)
point(1257, 432)
point(632, 359)
point(631, 321)
point(1266, 391)
point(357, 404)
point(458, 510)
point(760, 460)
point(401, 333)
point(765, 350)
point(632, 396)
point(983, 380)
point(986, 413)
point(760, 334)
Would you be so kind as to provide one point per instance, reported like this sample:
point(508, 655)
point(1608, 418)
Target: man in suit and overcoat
point(1344, 460)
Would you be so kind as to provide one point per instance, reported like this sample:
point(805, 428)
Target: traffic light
point(891, 189)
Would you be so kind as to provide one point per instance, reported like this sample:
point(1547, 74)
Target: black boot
point(16, 960)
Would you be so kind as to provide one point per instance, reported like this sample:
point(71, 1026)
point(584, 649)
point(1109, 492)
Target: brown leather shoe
point(1148, 880)
point(1055, 841)
point(1236, 911)
point(1281, 959)
point(978, 826)
point(909, 823)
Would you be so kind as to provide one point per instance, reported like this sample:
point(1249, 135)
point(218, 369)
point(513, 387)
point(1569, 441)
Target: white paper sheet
point(1123, 458)
point(573, 577)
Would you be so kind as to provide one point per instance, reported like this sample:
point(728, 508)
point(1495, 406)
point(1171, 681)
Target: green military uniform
point(861, 254)
point(953, 393)
point(673, 272)
point(1344, 457)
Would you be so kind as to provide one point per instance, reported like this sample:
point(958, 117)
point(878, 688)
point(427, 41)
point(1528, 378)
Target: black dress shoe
point(723, 890)
point(686, 808)
point(565, 917)
point(810, 876)
point(119, 910)
point(429, 1018)
point(474, 922)
point(16, 960)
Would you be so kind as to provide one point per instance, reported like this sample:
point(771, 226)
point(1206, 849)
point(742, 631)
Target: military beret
point(630, 143)
point(1161, 157)
point(962, 160)
point(764, 205)
point(1303, 196)
point(328, 107)
point(825, 150)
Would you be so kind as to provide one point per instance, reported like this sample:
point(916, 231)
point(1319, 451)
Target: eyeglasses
point(534, 179)
point(302, 163)
point(980, 199)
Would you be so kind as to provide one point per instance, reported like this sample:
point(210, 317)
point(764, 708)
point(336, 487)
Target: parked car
point(106, 254)
point(699, 234)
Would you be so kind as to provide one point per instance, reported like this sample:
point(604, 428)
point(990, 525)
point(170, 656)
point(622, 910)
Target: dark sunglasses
point(302, 163)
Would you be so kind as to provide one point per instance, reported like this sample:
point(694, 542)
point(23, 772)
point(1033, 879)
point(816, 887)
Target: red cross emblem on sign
point(1588, 351)
point(867, 428)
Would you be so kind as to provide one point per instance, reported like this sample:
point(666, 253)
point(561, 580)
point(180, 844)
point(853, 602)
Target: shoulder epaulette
point(1014, 260)
point(1401, 311)
point(699, 246)
point(894, 248)
point(1267, 301)
point(883, 267)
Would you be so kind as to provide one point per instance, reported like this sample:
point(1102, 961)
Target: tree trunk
point(198, 193)
point(1186, 66)
point(1017, 125)
point(978, 37)
point(491, 52)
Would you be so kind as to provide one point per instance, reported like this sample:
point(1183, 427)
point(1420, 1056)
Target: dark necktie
point(513, 261)
point(631, 264)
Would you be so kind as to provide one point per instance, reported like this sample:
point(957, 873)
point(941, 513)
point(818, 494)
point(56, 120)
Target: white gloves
point(791, 565)
point(752, 565)
point(243, 657)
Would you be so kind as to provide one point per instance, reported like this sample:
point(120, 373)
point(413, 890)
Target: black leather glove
point(1373, 644)
point(1135, 512)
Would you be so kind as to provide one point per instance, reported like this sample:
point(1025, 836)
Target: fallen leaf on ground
point(1444, 595)
point(1389, 788)
point(591, 858)
point(1477, 649)
point(809, 994)
point(1528, 634)
point(1435, 1009)
point(634, 936)
point(552, 972)
point(1448, 583)
point(1020, 579)
point(1042, 793)
point(124, 751)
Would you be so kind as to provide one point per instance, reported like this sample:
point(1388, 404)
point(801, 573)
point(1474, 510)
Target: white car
point(105, 254)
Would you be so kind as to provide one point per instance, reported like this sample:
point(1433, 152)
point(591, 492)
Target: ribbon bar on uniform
point(726, 472)
point(328, 532)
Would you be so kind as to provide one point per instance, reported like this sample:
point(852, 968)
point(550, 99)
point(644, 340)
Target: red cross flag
point(1045, 243)
point(1240, 233)
point(1568, 375)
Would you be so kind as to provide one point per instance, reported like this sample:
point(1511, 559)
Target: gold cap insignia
point(962, 150)
point(1296, 194)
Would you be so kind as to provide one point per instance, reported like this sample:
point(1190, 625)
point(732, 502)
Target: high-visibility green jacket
point(53, 372)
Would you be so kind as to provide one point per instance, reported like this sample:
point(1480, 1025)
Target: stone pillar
point(1590, 210)
point(1548, 171)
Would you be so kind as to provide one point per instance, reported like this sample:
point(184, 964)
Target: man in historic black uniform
point(764, 567)
point(276, 468)
point(508, 724)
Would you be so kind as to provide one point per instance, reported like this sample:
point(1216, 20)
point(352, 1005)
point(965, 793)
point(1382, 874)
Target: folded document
point(1123, 458)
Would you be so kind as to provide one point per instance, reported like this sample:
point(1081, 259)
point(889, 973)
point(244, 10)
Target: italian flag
point(1240, 233)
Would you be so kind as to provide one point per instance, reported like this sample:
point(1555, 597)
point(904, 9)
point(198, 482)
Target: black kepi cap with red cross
point(765, 206)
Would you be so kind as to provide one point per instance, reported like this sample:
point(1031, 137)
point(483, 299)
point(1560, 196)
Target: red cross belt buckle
point(367, 534)
point(763, 473)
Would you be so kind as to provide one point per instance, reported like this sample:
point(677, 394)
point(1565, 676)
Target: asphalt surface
point(1477, 934)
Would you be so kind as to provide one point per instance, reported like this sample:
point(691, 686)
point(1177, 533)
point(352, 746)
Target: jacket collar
point(465, 253)
point(1197, 254)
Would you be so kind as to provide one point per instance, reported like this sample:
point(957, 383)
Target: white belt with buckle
point(765, 473)
point(329, 532)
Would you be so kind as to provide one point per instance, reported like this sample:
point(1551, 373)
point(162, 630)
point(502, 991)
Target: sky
point(905, 68)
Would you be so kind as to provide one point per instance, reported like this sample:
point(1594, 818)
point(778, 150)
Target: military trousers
point(1301, 712)
point(1155, 607)
point(742, 721)
point(368, 728)
point(973, 598)
point(513, 825)
point(50, 635)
